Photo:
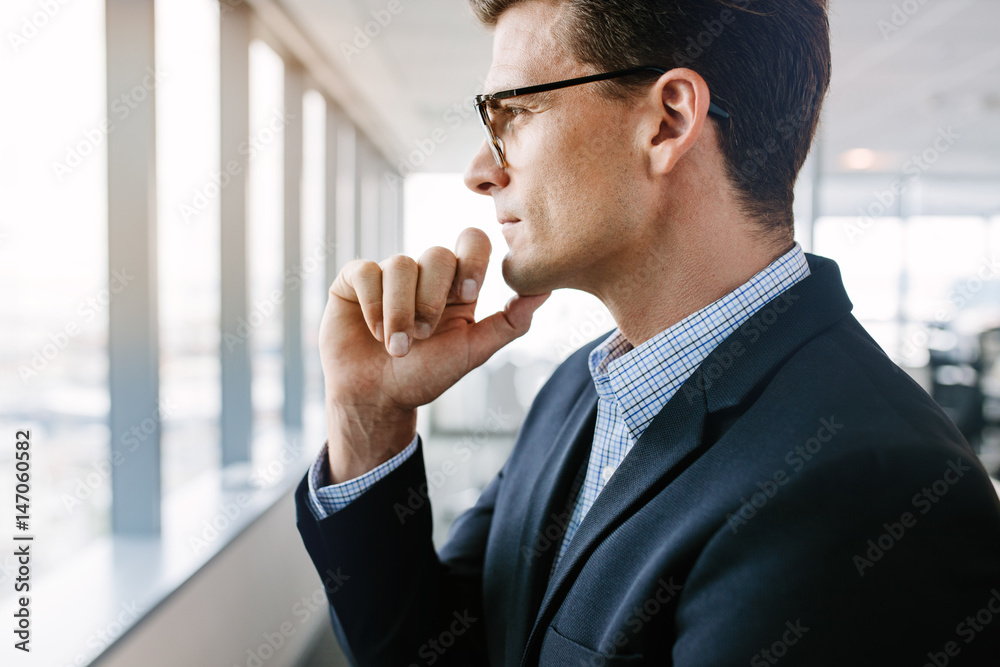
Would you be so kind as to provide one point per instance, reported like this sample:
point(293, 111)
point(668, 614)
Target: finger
point(489, 335)
point(436, 274)
point(399, 286)
point(360, 281)
point(473, 251)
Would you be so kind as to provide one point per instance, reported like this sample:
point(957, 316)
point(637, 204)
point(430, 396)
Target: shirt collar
point(641, 380)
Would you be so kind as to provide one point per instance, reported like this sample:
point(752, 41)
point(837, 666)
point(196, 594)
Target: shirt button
point(607, 472)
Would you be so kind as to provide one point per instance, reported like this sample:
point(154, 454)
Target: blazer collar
point(673, 439)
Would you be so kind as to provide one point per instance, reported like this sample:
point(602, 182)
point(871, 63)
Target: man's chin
point(524, 279)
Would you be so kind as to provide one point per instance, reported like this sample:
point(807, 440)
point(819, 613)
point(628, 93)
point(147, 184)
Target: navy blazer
point(799, 501)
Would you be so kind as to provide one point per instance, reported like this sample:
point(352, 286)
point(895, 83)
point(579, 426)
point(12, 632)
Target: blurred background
point(179, 184)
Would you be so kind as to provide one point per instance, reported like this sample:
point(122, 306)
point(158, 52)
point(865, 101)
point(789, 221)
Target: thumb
point(489, 335)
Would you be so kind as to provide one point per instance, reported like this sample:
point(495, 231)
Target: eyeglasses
point(496, 144)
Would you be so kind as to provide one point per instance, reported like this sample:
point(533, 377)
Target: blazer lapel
point(673, 435)
point(545, 516)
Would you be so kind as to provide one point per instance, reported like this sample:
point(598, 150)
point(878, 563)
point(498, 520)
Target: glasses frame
point(496, 144)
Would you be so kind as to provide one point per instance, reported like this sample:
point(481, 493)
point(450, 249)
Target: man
point(737, 474)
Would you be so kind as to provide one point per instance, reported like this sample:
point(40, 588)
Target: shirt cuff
point(326, 498)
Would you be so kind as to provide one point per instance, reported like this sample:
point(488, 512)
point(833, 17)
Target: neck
point(663, 281)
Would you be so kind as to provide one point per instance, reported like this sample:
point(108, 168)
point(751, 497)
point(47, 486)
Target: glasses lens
point(496, 146)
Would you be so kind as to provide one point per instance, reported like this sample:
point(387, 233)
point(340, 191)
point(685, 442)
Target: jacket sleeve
point(880, 559)
point(393, 599)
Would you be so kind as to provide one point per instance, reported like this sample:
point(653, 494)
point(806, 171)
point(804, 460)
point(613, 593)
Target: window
point(265, 242)
point(53, 254)
point(189, 183)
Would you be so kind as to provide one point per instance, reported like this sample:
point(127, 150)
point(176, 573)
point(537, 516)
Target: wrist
point(362, 438)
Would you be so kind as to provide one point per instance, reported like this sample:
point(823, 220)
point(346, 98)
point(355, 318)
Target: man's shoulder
point(844, 366)
point(839, 436)
point(838, 413)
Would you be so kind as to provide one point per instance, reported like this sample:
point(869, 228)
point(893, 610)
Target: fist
point(395, 335)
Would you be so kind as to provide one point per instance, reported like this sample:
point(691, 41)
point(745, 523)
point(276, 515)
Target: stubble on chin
point(520, 278)
point(527, 278)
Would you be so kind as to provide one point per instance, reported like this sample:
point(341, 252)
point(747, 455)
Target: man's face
point(573, 162)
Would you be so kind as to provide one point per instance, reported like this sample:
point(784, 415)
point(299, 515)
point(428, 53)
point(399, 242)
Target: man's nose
point(483, 175)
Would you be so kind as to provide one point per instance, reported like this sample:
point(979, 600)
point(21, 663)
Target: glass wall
point(265, 199)
point(54, 247)
point(54, 265)
point(189, 183)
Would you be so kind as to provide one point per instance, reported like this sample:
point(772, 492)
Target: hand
point(395, 336)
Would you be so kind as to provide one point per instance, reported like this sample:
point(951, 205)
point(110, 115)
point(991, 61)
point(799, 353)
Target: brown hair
point(766, 62)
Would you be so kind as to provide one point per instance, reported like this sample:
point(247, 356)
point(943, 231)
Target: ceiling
point(898, 79)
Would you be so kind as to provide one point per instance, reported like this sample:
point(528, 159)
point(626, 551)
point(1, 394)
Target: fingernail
point(422, 329)
point(469, 289)
point(379, 336)
point(398, 344)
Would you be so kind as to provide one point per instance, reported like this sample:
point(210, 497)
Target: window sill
point(90, 602)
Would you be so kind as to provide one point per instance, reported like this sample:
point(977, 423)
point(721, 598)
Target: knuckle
point(357, 272)
point(427, 311)
point(397, 316)
point(366, 268)
point(400, 262)
point(438, 257)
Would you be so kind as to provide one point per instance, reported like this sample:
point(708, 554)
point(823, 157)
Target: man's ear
point(677, 106)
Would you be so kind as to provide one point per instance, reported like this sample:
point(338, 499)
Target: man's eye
point(511, 111)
